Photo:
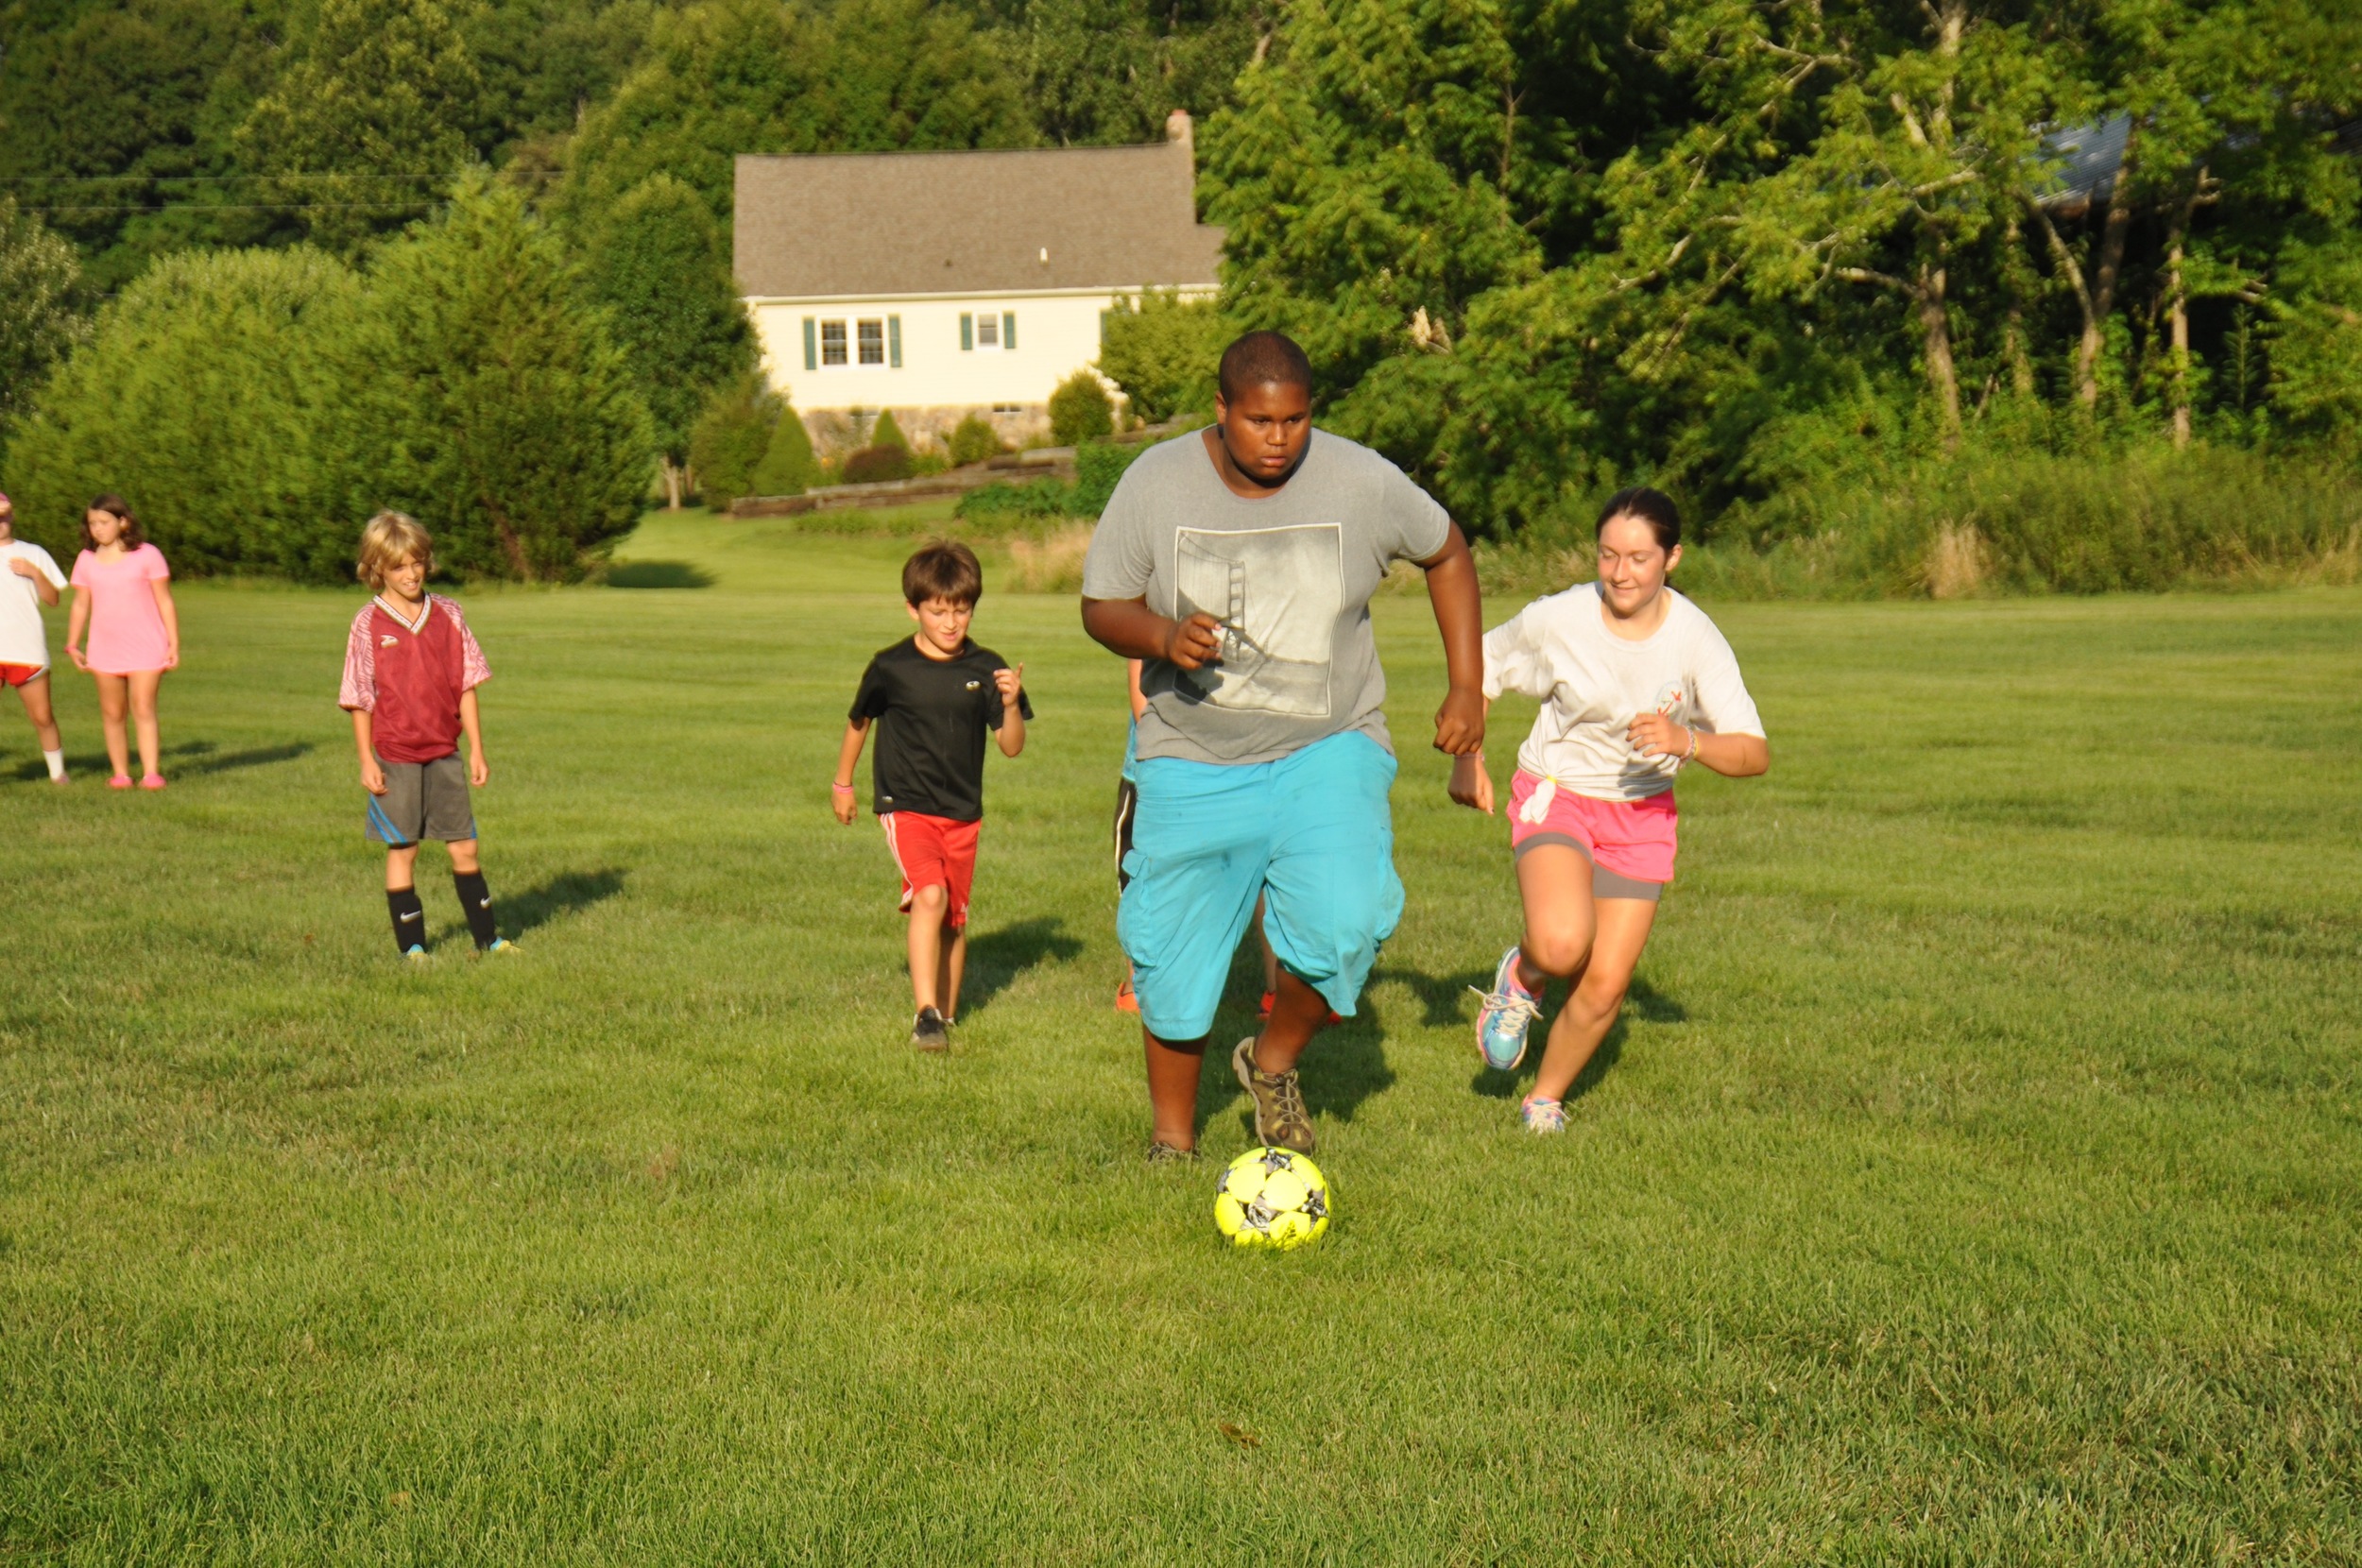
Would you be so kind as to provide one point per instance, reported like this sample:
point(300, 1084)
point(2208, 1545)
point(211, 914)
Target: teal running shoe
point(1508, 1013)
point(500, 944)
point(414, 953)
point(1543, 1116)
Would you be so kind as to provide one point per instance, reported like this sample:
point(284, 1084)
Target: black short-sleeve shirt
point(931, 716)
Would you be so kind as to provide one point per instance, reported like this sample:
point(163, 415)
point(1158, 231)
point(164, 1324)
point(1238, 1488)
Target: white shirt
point(1592, 684)
point(21, 639)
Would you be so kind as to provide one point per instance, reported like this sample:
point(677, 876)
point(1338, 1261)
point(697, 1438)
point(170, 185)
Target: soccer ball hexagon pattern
point(1272, 1198)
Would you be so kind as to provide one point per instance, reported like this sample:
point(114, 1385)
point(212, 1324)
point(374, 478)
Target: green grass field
point(1974, 1179)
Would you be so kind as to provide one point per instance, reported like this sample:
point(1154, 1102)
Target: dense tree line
point(1747, 248)
point(1759, 252)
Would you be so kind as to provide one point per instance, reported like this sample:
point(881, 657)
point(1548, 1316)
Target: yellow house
point(943, 283)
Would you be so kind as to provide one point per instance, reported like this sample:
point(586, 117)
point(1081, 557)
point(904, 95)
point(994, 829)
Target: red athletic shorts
point(17, 674)
point(933, 851)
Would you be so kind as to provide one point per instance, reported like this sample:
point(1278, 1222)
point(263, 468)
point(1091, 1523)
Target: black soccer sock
point(475, 902)
point(409, 918)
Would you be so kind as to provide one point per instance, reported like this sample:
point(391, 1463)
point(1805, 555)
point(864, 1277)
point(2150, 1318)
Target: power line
point(245, 207)
point(239, 179)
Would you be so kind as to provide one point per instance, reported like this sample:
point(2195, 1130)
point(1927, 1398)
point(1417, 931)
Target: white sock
point(57, 763)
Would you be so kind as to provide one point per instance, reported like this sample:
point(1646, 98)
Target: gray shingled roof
point(869, 223)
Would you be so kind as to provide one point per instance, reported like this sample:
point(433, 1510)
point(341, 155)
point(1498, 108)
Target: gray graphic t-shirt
point(1288, 575)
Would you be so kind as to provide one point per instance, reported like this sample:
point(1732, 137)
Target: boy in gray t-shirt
point(1237, 564)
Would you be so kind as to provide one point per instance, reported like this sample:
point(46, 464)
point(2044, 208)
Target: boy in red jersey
point(411, 670)
point(934, 695)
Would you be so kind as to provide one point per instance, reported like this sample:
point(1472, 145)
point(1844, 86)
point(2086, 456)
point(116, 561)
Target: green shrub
point(1000, 502)
point(973, 440)
point(887, 433)
point(489, 401)
point(1163, 351)
point(1080, 410)
point(212, 393)
point(876, 465)
point(788, 465)
point(734, 436)
point(1097, 466)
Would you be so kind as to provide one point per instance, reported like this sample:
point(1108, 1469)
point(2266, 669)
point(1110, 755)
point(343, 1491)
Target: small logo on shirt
point(975, 685)
point(390, 640)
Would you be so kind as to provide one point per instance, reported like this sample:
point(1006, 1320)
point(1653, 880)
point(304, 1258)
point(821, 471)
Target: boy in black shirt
point(936, 694)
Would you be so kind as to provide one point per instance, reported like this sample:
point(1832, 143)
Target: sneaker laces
point(1287, 1098)
point(1512, 1002)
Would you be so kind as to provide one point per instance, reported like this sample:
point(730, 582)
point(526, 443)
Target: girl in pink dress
point(121, 599)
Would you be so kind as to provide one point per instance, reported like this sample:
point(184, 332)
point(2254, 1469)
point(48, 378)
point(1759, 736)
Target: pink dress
point(126, 630)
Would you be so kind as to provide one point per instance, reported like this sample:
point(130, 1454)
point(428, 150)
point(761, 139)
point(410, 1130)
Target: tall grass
point(1995, 523)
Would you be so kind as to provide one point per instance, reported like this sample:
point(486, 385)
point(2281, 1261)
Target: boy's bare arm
point(1012, 685)
point(365, 740)
point(479, 770)
point(842, 798)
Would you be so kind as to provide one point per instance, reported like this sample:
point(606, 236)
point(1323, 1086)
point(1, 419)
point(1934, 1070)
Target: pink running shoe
point(153, 781)
point(120, 781)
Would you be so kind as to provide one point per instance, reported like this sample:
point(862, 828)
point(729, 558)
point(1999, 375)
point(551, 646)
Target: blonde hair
point(389, 540)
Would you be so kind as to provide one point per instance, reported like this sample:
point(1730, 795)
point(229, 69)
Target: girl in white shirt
point(1635, 683)
point(28, 579)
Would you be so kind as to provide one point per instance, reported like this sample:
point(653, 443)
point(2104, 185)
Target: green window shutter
point(968, 332)
point(894, 342)
point(1008, 330)
point(1103, 327)
point(812, 350)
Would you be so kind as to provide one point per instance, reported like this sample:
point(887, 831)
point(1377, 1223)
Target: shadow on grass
point(256, 756)
point(1444, 999)
point(561, 895)
point(188, 760)
point(996, 959)
point(658, 574)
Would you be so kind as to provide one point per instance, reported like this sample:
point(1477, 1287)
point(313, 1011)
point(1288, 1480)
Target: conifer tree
point(492, 404)
point(661, 265)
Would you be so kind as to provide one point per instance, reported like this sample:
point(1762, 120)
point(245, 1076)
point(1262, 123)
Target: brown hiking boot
point(1279, 1116)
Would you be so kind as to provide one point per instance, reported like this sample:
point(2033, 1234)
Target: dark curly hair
point(114, 505)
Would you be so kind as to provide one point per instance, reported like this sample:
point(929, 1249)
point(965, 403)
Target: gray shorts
point(422, 800)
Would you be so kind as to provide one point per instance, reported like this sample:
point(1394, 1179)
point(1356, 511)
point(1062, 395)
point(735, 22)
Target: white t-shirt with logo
point(1592, 684)
point(21, 639)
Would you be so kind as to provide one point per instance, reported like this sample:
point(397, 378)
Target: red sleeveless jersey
point(411, 681)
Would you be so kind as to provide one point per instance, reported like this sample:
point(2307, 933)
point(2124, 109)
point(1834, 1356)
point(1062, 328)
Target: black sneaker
point(929, 1032)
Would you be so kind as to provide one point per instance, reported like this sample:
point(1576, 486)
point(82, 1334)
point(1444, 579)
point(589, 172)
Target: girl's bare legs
point(1596, 943)
point(35, 693)
point(1590, 1008)
point(144, 684)
point(114, 702)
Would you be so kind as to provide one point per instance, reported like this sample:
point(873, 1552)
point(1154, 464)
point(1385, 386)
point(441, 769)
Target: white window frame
point(987, 332)
point(843, 345)
point(862, 343)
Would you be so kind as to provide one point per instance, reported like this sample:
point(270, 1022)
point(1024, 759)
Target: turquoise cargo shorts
point(1312, 832)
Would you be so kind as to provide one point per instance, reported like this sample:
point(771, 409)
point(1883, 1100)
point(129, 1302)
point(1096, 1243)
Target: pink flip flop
point(120, 781)
point(153, 781)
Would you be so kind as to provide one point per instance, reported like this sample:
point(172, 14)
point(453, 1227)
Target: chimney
point(1177, 127)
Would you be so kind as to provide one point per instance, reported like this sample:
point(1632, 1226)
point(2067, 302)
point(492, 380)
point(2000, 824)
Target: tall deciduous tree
point(367, 121)
point(661, 265)
point(731, 77)
point(490, 401)
point(38, 322)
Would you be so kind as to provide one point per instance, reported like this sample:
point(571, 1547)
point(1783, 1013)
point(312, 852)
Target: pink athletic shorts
point(1629, 844)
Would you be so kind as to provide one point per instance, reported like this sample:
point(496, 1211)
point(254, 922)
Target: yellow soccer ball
point(1272, 1198)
